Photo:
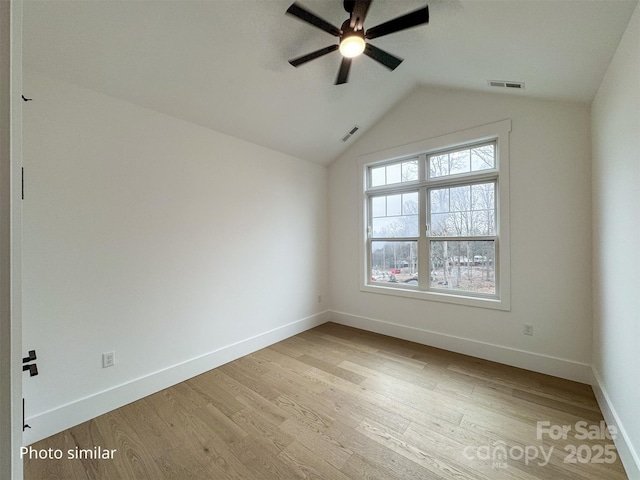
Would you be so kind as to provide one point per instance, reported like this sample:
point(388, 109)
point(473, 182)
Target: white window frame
point(497, 132)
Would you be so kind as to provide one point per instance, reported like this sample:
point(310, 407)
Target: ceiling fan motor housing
point(348, 31)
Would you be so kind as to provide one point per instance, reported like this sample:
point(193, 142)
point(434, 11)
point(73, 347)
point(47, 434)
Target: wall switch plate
point(528, 329)
point(108, 359)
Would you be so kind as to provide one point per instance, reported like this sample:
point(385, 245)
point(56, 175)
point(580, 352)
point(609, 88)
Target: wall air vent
point(503, 84)
point(351, 132)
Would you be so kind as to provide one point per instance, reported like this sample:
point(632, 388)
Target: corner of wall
point(623, 444)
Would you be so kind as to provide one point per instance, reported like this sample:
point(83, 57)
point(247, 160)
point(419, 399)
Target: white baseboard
point(81, 410)
point(629, 456)
point(558, 367)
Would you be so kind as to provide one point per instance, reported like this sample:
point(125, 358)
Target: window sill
point(457, 299)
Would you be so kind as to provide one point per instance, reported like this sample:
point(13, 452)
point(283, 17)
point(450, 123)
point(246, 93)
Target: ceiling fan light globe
point(352, 46)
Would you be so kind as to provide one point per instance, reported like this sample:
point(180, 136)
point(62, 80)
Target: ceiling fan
point(353, 38)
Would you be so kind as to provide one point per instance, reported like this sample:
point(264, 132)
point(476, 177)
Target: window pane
point(378, 176)
point(483, 158)
point(439, 200)
point(410, 203)
point(467, 266)
point(483, 209)
point(395, 215)
point(394, 173)
point(394, 262)
point(462, 211)
point(394, 205)
point(460, 198)
point(460, 162)
point(400, 172)
point(379, 206)
point(439, 165)
point(410, 171)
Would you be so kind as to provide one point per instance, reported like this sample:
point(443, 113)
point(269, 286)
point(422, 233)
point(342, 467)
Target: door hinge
point(31, 367)
point(22, 169)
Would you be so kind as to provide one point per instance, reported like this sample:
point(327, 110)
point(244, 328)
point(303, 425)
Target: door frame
point(11, 239)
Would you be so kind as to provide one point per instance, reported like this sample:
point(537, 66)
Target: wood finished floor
point(339, 403)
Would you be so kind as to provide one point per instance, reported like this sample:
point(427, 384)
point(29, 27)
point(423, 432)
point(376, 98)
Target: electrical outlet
point(528, 329)
point(108, 359)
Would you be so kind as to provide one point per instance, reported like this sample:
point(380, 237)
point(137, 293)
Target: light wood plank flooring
point(340, 403)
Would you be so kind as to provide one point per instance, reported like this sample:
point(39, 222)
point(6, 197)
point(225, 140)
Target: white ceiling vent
point(506, 84)
point(351, 132)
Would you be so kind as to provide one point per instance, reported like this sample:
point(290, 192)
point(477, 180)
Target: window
point(436, 219)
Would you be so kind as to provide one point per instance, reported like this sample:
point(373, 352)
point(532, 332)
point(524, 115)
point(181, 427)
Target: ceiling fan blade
point(359, 13)
point(405, 21)
point(296, 62)
point(385, 58)
point(303, 14)
point(343, 73)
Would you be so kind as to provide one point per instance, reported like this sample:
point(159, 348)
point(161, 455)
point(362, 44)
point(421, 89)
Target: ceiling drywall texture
point(223, 63)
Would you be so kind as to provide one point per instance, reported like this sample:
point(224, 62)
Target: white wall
point(175, 246)
point(616, 242)
point(550, 234)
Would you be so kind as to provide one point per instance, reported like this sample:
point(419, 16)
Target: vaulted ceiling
point(223, 64)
